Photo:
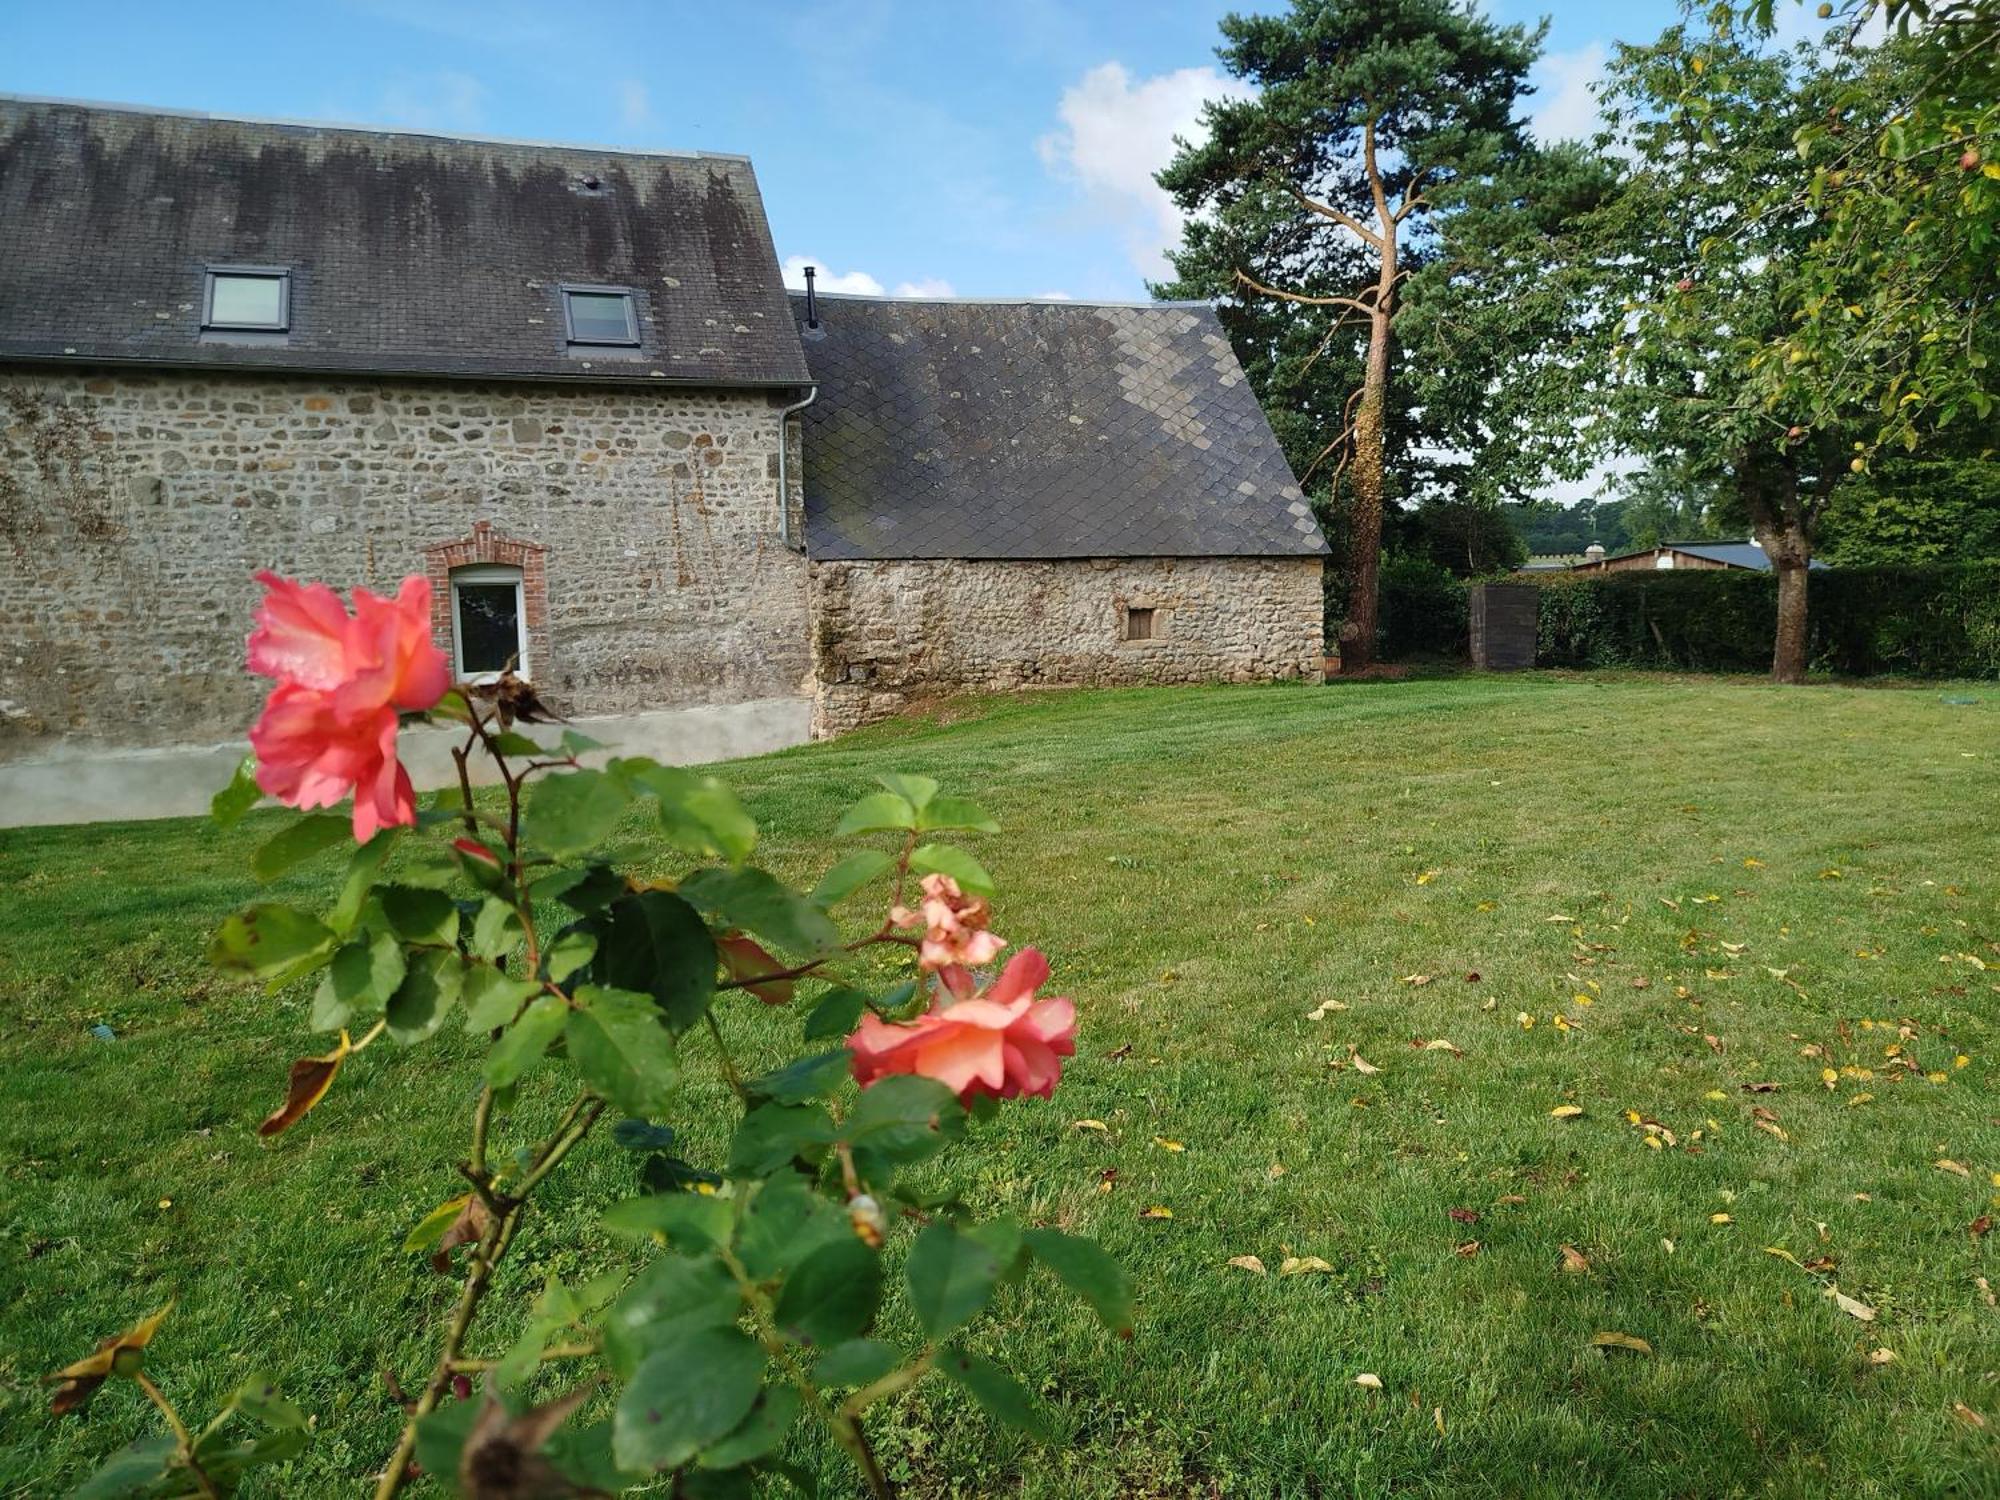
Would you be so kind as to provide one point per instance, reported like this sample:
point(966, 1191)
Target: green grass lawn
point(1714, 885)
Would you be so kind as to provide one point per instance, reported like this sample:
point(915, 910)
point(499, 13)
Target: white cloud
point(1053, 297)
point(1116, 132)
point(859, 283)
point(1565, 83)
point(635, 105)
point(444, 100)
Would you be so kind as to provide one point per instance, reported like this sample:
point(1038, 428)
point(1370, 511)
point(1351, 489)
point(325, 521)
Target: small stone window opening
point(1138, 623)
point(600, 316)
point(489, 623)
point(247, 299)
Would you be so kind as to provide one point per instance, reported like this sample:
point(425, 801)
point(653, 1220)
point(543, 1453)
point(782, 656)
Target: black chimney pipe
point(812, 301)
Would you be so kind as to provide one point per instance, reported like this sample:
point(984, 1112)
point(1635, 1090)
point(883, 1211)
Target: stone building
point(567, 383)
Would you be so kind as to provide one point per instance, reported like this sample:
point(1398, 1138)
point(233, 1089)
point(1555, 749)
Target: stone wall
point(134, 508)
point(887, 632)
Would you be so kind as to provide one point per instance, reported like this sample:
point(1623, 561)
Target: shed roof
point(974, 429)
point(410, 253)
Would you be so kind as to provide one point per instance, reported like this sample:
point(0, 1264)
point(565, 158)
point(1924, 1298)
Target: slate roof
point(1038, 430)
point(410, 253)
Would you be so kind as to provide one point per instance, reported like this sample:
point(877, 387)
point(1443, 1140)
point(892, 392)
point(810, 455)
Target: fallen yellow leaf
point(1851, 1307)
point(1089, 1125)
point(1248, 1263)
point(1720, 1219)
point(1881, 1356)
point(1574, 1260)
point(1157, 1211)
point(1325, 1007)
point(1567, 1111)
point(1303, 1265)
point(1620, 1341)
point(1371, 1382)
point(1166, 1145)
point(1947, 1165)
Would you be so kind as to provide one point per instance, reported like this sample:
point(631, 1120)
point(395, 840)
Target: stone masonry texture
point(889, 632)
point(135, 507)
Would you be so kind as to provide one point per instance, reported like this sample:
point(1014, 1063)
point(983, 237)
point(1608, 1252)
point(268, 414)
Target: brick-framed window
point(475, 573)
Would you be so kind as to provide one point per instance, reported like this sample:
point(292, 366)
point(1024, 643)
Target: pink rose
point(329, 726)
point(1004, 1042)
point(955, 935)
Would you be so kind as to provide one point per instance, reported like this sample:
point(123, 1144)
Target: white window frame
point(489, 574)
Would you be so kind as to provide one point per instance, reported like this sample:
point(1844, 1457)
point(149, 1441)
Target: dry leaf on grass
point(1851, 1307)
point(1620, 1341)
point(1967, 1415)
point(1566, 1111)
point(1947, 1165)
point(1881, 1356)
point(1574, 1261)
point(1089, 1125)
point(1361, 1064)
point(1463, 1215)
point(1166, 1145)
point(1303, 1265)
point(1466, 1251)
point(1249, 1263)
point(1157, 1211)
point(1369, 1382)
point(1324, 1008)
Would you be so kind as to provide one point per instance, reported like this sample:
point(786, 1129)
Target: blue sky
point(930, 146)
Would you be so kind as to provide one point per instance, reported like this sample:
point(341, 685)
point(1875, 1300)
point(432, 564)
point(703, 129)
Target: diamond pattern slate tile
point(409, 253)
point(1023, 430)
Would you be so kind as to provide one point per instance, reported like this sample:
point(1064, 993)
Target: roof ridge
point(887, 300)
point(164, 112)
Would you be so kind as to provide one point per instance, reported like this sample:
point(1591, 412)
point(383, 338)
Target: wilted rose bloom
point(1004, 1042)
point(955, 935)
point(329, 726)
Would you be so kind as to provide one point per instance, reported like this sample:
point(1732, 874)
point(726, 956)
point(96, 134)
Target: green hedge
point(1423, 609)
point(1919, 622)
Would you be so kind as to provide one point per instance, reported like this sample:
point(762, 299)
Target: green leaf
point(948, 859)
point(757, 902)
point(362, 868)
point(431, 1227)
point(956, 813)
point(836, 1014)
point(759, 1433)
point(684, 1397)
point(525, 1042)
point(496, 929)
point(672, 1298)
point(915, 790)
point(493, 998)
point(555, 1309)
point(687, 1221)
point(298, 841)
point(576, 743)
point(276, 943)
point(782, 1222)
point(363, 975)
point(580, 887)
point(512, 742)
point(698, 814)
point(904, 1119)
point(227, 807)
point(808, 1078)
point(857, 1362)
point(134, 1468)
point(848, 876)
point(999, 1394)
point(622, 1050)
point(832, 1294)
point(952, 1275)
point(419, 914)
point(654, 943)
point(569, 952)
point(1083, 1267)
point(573, 812)
point(425, 997)
point(772, 1135)
point(875, 813)
point(441, 1439)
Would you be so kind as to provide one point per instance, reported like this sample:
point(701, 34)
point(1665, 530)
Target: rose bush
point(504, 915)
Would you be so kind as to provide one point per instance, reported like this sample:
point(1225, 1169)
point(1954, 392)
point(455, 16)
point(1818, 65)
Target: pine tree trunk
point(1364, 540)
